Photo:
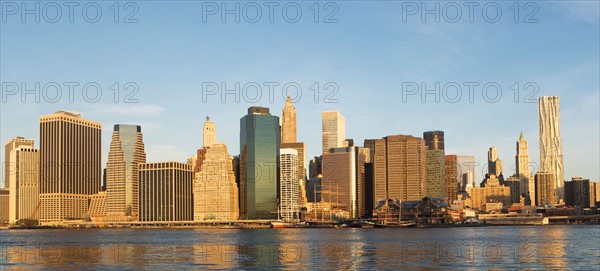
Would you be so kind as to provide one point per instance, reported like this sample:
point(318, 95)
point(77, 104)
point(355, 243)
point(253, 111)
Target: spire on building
point(288, 122)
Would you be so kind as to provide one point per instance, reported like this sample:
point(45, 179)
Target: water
point(530, 248)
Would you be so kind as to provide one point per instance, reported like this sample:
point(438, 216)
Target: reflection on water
point(535, 248)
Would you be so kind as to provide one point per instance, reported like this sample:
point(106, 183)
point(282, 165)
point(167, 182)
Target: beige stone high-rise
point(22, 178)
point(9, 147)
point(215, 189)
point(125, 155)
point(70, 165)
point(523, 170)
point(494, 163)
point(551, 155)
point(399, 167)
point(288, 122)
point(492, 192)
point(333, 130)
point(210, 133)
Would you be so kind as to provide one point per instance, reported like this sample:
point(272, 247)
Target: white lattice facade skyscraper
point(551, 155)
point(289, 184)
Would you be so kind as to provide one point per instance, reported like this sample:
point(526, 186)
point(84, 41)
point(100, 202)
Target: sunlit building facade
point(435, 159)
point(70, 166)
point(22, 179)
point(288, 185)
point(399, 168)
point(288, 122)
point(551, 153)
point(215, 189)
point(166, 192)
point(125, 154)
point(523, 169)
point(493, 192)
point(333, 130)
point(451, 177)
point(545, 190)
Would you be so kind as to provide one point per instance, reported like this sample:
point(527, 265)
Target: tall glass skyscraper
point(260, 138)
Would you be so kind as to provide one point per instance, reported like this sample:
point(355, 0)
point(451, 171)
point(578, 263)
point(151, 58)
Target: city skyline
point(264, 135)
point(480, 169)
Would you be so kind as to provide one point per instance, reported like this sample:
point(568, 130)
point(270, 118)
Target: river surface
point(528, 248)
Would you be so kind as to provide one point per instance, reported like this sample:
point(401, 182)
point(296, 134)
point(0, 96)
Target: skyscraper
point(333, 130)
point(523, 170)
point(494, 163)
point(210, 133)
point(166, 192)
point(493, 191)
point(288, 122)
point(260, 139)
point(451, 177)
point(215, 189)
point(577, 192)
point(435, 159)
point(288, 185)
point(545, 190)
point(300, 147)
point(343, 181)
point(125, 154)
point(466, 171)
point(399, 168)
point(517, 188)
point(363, 160)
point(70, 169)
point(10, 146)
point(370, 144)
point(551, 155)
point(4, 205)
point(313, 188)
point(288, 140)
point(22, 178)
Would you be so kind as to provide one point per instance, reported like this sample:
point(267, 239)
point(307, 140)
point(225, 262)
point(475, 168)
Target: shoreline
point(437, 226)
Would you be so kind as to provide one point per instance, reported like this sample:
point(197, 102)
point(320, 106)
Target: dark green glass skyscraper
point(260, 138)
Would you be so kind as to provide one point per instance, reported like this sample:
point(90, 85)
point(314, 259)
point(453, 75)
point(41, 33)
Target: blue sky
point(369, 53)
